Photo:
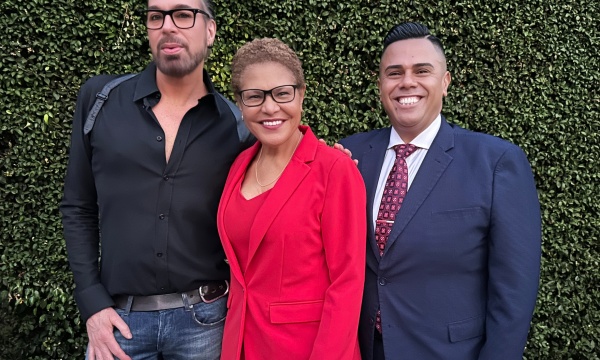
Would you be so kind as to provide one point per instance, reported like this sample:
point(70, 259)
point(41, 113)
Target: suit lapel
point(230, 187)
point(370, 167)
point(435, 163)
point(292, 177)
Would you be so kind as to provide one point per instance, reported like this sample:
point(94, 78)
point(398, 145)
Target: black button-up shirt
point(157, 220)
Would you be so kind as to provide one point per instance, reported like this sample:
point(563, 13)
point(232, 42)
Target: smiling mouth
point(408, 100)
point(272, 123)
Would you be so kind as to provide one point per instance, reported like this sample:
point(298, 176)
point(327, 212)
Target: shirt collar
point(423, 140)
point(146, 85)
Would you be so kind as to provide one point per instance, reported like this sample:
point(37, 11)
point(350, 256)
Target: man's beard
point(178, 65)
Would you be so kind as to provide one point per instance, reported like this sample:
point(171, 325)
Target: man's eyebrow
point(183, 6)
point(394, 67)
point(178, 6)
point(401, 67)
point(423, 65)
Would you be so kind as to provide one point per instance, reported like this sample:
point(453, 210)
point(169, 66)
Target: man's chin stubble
point(175, 66)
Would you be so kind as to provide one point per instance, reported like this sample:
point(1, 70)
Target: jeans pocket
point(211, 314)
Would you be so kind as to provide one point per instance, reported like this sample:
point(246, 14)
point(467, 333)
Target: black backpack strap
point(246, 137)
point(101, 97)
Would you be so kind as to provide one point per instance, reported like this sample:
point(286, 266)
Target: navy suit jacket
point(459, 276)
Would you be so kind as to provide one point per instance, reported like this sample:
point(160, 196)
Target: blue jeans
point(175, 334)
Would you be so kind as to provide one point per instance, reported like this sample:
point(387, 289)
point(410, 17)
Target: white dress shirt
point(422, 141)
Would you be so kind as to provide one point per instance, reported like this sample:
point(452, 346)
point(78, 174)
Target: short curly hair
point(261, 51)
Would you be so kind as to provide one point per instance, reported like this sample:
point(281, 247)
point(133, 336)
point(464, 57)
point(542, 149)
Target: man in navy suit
point(453, 247)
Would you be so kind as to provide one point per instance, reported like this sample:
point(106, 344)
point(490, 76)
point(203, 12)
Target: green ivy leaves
point(528, 72)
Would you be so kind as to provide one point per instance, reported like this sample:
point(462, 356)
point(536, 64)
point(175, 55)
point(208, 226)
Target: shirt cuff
point(92, 299)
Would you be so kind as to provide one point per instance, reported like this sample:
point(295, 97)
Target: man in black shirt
point(152, 170)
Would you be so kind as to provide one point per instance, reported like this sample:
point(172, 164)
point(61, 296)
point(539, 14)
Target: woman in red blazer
point(292, 222)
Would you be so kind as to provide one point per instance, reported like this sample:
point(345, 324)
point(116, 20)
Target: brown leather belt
point(208, 293)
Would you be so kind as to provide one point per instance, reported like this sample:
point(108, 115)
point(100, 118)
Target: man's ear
point(211, 32)
point(445, 82)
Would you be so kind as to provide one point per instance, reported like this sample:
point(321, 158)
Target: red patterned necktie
point(394, 192)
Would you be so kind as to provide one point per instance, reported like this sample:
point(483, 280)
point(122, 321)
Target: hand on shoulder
point(342, 149)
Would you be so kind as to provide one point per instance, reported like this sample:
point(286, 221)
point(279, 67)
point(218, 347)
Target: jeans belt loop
point(128, 307)
point(186, 303)
point(189, 308)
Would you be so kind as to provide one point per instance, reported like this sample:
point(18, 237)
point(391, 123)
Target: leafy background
point(527, 71)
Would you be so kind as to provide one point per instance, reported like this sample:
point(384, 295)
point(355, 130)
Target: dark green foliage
point(527, 71)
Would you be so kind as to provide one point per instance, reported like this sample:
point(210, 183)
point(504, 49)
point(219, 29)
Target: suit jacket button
point(382, 281)
point(371, 321)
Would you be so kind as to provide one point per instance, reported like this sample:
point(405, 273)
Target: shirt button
point(162, 288)
point(161, 216)
point(159, 254)
point(382, 281)
point(159, 138)
point(166, 177)
point(158, 96)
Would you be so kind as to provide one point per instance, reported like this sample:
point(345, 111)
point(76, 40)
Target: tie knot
point(403, 151)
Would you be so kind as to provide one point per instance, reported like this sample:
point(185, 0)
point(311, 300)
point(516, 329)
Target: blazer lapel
point(293, 175)
point(230, 186)
point(435, 163)
point(370, 167)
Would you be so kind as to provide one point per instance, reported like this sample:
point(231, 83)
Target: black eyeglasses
point(280, 94)
point(182, 18)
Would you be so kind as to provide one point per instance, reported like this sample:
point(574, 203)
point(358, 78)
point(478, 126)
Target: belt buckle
point(203, 289)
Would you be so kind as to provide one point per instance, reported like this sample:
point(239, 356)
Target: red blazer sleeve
point(344, 232)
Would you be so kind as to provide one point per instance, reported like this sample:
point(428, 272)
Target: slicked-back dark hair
point(411, 30)
point(209, 7)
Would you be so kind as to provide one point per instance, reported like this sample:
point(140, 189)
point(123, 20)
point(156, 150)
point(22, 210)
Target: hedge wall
point(527, 71)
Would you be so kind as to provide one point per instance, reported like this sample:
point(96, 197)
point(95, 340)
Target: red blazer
point(301, 294)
